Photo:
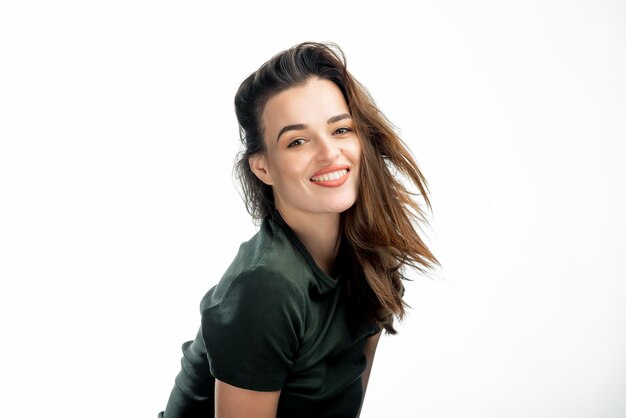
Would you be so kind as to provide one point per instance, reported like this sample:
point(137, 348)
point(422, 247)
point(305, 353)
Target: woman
point(291, 328)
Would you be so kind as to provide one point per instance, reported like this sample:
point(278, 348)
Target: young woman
point(291, 328)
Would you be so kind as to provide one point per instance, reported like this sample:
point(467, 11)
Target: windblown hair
point(379, 230)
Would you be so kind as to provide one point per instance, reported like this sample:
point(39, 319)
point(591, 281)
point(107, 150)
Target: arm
point(370, 349)
point(234, 402)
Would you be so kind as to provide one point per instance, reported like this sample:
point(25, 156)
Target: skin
point(307, 129)
point(291, 160)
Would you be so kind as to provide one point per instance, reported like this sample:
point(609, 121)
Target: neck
point(320, 235)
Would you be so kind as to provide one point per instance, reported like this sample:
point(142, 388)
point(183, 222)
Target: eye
point(342, 131)
point(295, 143)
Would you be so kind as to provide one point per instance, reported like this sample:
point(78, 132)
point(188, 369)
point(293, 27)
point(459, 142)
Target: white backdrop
point(118, 210)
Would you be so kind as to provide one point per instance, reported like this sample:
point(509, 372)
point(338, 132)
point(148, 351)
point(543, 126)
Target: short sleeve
point(252, 332)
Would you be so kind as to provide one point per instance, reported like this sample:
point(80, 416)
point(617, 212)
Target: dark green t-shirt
point(276, 321)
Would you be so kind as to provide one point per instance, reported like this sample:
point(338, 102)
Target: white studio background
point(118, 210)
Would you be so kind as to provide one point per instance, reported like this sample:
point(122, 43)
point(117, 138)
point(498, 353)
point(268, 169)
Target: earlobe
point(258, 165)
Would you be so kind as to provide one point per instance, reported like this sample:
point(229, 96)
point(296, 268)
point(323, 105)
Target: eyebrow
point(300, 126)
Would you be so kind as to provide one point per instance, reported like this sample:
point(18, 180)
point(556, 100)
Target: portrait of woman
point(449, 172)
point(292, 327)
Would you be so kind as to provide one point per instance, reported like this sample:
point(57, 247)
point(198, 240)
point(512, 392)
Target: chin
point(340, 206)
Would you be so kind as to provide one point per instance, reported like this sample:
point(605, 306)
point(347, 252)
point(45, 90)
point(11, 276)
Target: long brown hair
point(379, 230)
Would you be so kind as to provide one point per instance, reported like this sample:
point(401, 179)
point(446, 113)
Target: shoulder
point(257, 288)
point(268, 260)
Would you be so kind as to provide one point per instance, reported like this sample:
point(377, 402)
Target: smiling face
point(312, 152)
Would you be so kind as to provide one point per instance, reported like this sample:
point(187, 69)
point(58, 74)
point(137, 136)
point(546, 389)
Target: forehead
point(314, 102)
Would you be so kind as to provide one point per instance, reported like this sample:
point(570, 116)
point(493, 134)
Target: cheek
point(356, 152)
point(286, 171)
point(356, 156)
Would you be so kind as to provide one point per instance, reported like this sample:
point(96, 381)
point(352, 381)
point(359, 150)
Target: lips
point(330, 169)
point(333, 176)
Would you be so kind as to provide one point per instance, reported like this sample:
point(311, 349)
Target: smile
point(330, 177)
point(335, 175)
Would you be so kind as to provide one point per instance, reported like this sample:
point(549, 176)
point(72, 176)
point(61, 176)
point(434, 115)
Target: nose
point(328, 149)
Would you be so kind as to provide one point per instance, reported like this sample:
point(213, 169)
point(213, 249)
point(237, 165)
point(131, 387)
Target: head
point(311, 154)
point(298, 73)
point(309, 84)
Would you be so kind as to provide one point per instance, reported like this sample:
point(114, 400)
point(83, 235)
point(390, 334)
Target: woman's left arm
point(370, 349)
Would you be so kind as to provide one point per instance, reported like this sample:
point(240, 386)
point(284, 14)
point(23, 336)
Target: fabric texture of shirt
point(275, 321)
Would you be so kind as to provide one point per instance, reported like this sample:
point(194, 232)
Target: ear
point(258, 165)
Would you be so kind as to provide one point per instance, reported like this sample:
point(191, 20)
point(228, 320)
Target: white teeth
point(331, 176)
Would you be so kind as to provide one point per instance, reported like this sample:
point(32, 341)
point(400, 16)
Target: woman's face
point(312, 151)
